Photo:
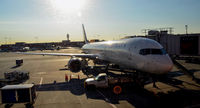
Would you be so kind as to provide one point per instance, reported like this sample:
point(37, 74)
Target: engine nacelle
point(74, 65)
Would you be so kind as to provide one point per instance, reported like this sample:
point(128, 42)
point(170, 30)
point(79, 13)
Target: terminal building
point(180, 44)
point(176, 44)
point(20, 46)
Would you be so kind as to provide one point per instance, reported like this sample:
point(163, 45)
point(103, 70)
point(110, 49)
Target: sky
point(51, 20)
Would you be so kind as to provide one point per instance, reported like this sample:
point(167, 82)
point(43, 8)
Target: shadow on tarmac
point(75, 86)
point(14, 67)
point(179, 73)
point(171, 75)
point(138, 97)
point(63, 69)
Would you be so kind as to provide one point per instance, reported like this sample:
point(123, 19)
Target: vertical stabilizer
point(84, 34)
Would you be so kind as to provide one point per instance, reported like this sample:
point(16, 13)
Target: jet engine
point(74, 65)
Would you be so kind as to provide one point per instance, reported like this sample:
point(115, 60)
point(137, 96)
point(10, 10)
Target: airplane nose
point(159, 64)
point(166, 64)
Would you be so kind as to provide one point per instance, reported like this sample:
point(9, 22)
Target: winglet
point(84, 34)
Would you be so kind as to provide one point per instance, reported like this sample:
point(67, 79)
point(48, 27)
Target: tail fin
point(84, 34)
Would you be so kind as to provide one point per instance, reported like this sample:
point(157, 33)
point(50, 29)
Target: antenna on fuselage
point(84, 34)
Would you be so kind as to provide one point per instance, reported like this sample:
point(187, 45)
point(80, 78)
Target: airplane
point(141, 54)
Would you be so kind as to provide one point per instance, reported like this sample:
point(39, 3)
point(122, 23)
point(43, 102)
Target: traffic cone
point(66, 77)
point(70, 77)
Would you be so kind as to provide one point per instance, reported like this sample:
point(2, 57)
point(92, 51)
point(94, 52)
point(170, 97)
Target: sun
point(67, 6)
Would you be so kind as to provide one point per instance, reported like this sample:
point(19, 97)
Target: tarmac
point(48, 74)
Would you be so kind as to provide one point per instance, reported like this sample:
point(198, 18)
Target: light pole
point(186, 29)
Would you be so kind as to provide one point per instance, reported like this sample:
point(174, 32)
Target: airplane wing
point(91, 56)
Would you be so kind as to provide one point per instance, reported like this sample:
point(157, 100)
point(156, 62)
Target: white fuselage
point(142, 54)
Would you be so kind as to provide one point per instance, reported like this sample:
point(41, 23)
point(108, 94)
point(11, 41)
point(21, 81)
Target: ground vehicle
point(19, 62)
point(24, 93)
point(16, 75)
point(105, 81)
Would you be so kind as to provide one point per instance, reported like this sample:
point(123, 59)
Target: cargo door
point(23, 95)
point(8, 96)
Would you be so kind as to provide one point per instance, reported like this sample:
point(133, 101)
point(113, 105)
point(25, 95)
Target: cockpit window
point(151, 51)
point(163, 51)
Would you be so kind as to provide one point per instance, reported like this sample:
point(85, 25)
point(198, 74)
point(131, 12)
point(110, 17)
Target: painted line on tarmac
point(41, 79)
point(107, 100)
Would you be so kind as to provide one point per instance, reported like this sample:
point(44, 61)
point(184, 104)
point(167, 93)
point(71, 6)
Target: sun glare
point(67, 11)
point(68, 6)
